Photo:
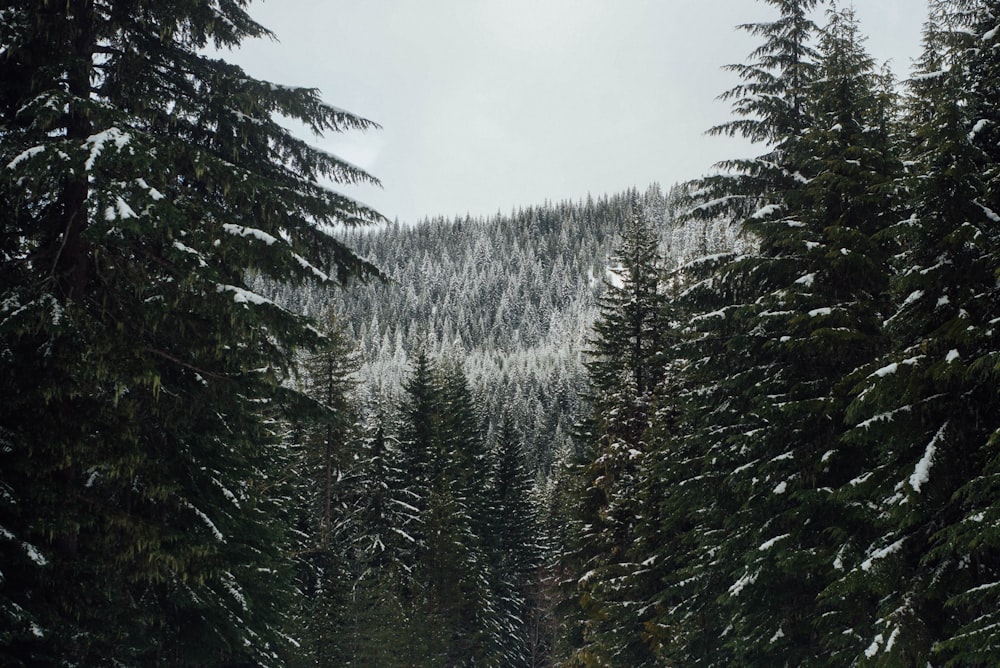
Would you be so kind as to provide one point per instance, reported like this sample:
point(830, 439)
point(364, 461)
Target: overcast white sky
point(487, 105)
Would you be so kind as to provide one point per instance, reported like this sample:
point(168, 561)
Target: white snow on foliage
point(912, 297)
point(26, 155)
point(230, 583)
point(208, 522)
point(990, 213)
point(778, 635)
point(768, 544)
point(153, 192)
point(241, 296)
point(951, 356)
point(807, 280)
point(977, 128)
point(873, 648)
point(866, 565)
point(890, 369)
point(741, 584)
point(305, 264)
point(921, 473)
point(781, 487)
point(97, 142)
point(765, 211)
point(826, 310)
point(34, 554)
point(120, 211)
point(241, 231)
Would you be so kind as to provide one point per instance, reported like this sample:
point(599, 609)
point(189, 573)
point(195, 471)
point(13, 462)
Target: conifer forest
point(752, 419)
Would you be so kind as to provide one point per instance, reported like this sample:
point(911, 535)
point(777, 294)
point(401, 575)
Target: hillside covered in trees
point(750, 421)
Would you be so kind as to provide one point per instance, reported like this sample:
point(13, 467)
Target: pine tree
point(329, 488)
point(513, 545)
point(807, 312)
point(819, 320)
point(926, 570)
point(700, 618)
point(446, 590)
point(141, 181)
point(625, 373)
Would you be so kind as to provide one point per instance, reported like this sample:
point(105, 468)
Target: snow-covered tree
point(926, 569)
point(625, 370)
point(141, 378)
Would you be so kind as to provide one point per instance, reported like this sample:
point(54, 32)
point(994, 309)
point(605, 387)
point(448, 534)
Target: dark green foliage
point(625, 370)
point(329, 489)
point(928, 409)
point(141, 180)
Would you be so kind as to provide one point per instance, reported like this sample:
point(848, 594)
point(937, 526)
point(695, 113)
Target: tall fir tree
point(327, 483)
point(512, 545)
point(927, 411)
point(141, 181)
point(625, 373)
point(811, 300)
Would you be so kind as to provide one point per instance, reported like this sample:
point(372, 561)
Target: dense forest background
point(752, 420)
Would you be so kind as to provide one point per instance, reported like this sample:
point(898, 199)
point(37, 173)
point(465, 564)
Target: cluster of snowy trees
point(514, 296)
point(418, 543)
point(597, 434)
point(793, 451)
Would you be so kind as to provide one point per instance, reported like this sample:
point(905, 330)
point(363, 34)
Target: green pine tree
point(625, 372)
point(927, 411)
point(141, 182)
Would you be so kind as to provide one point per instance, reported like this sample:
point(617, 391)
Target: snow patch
point(742, 583)
point(990, 213)
point(241, 296)
point(96, 142)
point(873, 648)
point(890, 369)
point(912, 297)
point(951, 356)
point(120, 211)
point(866, 565)
point(768, 544)
point(892, 639)
point(305, 264)
point(826, 310)
point(778, 635)
point(807, 280)
point(780, 488)
point(26, 155)
point(977, 128)
point(241, 231)
point(765, 211)
point(208, 522)
point(921, 473)
point(34, 554)
point(234, 590)
point(887, 370)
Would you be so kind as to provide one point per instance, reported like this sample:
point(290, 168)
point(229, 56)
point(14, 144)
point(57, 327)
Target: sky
point(491, 105)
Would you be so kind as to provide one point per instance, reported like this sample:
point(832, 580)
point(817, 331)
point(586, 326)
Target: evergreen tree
point(327, 481)
point(927, 411)
point(811, 300)
point(141, 181)
point(512, 542)
point(625, 373)
point(445, 594)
